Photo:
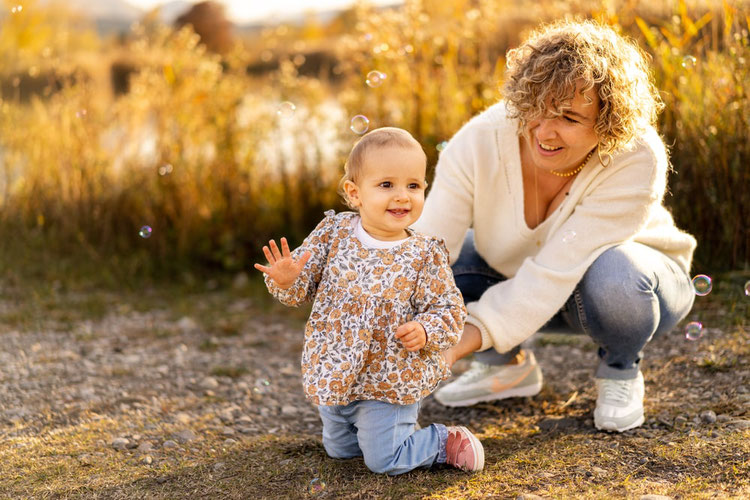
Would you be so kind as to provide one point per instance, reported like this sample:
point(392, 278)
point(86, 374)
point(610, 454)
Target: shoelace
point(616, 390)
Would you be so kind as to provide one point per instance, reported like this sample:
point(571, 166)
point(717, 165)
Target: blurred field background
point(187, 128)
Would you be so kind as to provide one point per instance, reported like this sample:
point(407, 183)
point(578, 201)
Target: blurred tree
point(210, 22)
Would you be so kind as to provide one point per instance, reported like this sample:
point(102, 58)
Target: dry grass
point(196, 150)
point(544, 445)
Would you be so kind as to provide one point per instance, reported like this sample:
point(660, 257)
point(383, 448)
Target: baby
point(385, 306)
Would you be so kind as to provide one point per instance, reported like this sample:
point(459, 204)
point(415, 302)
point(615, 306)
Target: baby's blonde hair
point(378, 138)
point(542, 75)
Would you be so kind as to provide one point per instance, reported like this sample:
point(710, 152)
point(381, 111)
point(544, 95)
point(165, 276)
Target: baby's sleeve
point(439, 304)
point(318, 242)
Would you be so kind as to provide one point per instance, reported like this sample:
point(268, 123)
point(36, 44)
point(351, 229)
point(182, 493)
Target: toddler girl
point(385, 307)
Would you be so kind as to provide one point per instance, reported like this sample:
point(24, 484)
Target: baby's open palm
point(282, 268)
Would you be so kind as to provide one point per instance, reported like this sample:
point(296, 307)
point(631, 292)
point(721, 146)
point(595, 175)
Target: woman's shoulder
point(482, 129)
point(648, 150)
point(492, 118)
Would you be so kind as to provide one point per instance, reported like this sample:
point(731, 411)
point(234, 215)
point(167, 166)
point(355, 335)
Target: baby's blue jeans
point(630, 294)
point(383, 434)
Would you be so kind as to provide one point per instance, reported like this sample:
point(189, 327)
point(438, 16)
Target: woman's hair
point(378, 138)
point(542, 75)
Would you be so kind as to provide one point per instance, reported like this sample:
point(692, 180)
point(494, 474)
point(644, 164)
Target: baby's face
point(389, 191)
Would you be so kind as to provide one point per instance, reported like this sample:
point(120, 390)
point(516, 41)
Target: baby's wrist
point(284, 285)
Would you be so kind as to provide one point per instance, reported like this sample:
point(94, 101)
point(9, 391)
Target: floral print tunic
point(360, 297)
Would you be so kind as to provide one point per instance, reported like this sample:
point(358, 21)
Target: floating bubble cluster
point(16, 9)
point(316, 486)
point(688, 62)
point(81, 113)
point(286, 109)
point(375, 78)
point(165, 169)
point(702, 285)
point(569, 236)
point(694, 330)
point(145, 232)
point(359, 124)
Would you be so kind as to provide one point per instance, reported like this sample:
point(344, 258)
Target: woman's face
point(562, 143)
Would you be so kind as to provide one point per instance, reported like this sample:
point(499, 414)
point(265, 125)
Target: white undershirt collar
point(370, 242)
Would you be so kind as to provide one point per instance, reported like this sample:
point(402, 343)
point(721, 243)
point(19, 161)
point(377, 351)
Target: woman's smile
point(547, 150)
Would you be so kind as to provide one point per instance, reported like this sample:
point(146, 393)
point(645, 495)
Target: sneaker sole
point(612, 427)
point(478, 449)
point(519, 392)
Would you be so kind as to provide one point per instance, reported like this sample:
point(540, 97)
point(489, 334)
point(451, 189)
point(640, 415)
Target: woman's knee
point(618, 294)
point(471, 272)
point(619, 273)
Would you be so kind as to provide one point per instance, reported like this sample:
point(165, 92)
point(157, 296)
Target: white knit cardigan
point(478, 184)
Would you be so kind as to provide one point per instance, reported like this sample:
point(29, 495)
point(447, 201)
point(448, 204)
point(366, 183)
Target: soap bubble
point(165, 169)
point(262, 386)
point(16, 9)
point(702, 285)
point(359, 124)
point(569, 236)
point(375, 78)
point(316, 486)
point(145, 232)
point(694, 330)
point(441, 146)
point(747, 288)
point(688, 62)
point(286, 109)
point(81, 113)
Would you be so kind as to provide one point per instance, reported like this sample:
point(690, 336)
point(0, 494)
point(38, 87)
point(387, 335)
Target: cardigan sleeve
point(303, 290)
point(438, 302)
point(610, 213)
point(448, 208)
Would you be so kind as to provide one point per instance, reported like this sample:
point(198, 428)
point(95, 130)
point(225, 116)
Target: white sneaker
point(482, 382)
point(619, 406)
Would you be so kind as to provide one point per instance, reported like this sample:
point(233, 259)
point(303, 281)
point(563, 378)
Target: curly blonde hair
point(543, 73)
point(378, 138)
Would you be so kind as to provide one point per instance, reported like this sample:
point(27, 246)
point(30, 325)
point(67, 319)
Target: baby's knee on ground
point(381, 463)
point(340, 453)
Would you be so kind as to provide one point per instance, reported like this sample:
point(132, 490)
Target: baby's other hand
point(412, 335)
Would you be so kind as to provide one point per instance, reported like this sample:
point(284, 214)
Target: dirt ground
point(150, 383)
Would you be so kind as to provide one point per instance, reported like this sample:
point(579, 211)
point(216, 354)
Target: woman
point(562, 185)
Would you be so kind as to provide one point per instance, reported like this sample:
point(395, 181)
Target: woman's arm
point(613, 208)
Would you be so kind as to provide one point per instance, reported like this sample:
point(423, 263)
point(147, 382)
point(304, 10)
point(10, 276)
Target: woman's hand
point(282, 269)
point(471, 341)
point(412, 335)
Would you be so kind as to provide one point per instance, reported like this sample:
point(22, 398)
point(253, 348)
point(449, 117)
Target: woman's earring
point(601, 160)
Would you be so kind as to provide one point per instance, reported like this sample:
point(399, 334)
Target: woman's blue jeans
point(630, 294)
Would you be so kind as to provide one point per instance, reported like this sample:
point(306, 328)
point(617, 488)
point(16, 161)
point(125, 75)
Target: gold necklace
point(578, 169)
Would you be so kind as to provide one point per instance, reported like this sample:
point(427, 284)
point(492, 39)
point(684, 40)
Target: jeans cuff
point(604, 371)
point(442, 441)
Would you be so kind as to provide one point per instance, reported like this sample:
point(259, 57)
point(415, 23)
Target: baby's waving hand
point(282, 268)
point(412, 335)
